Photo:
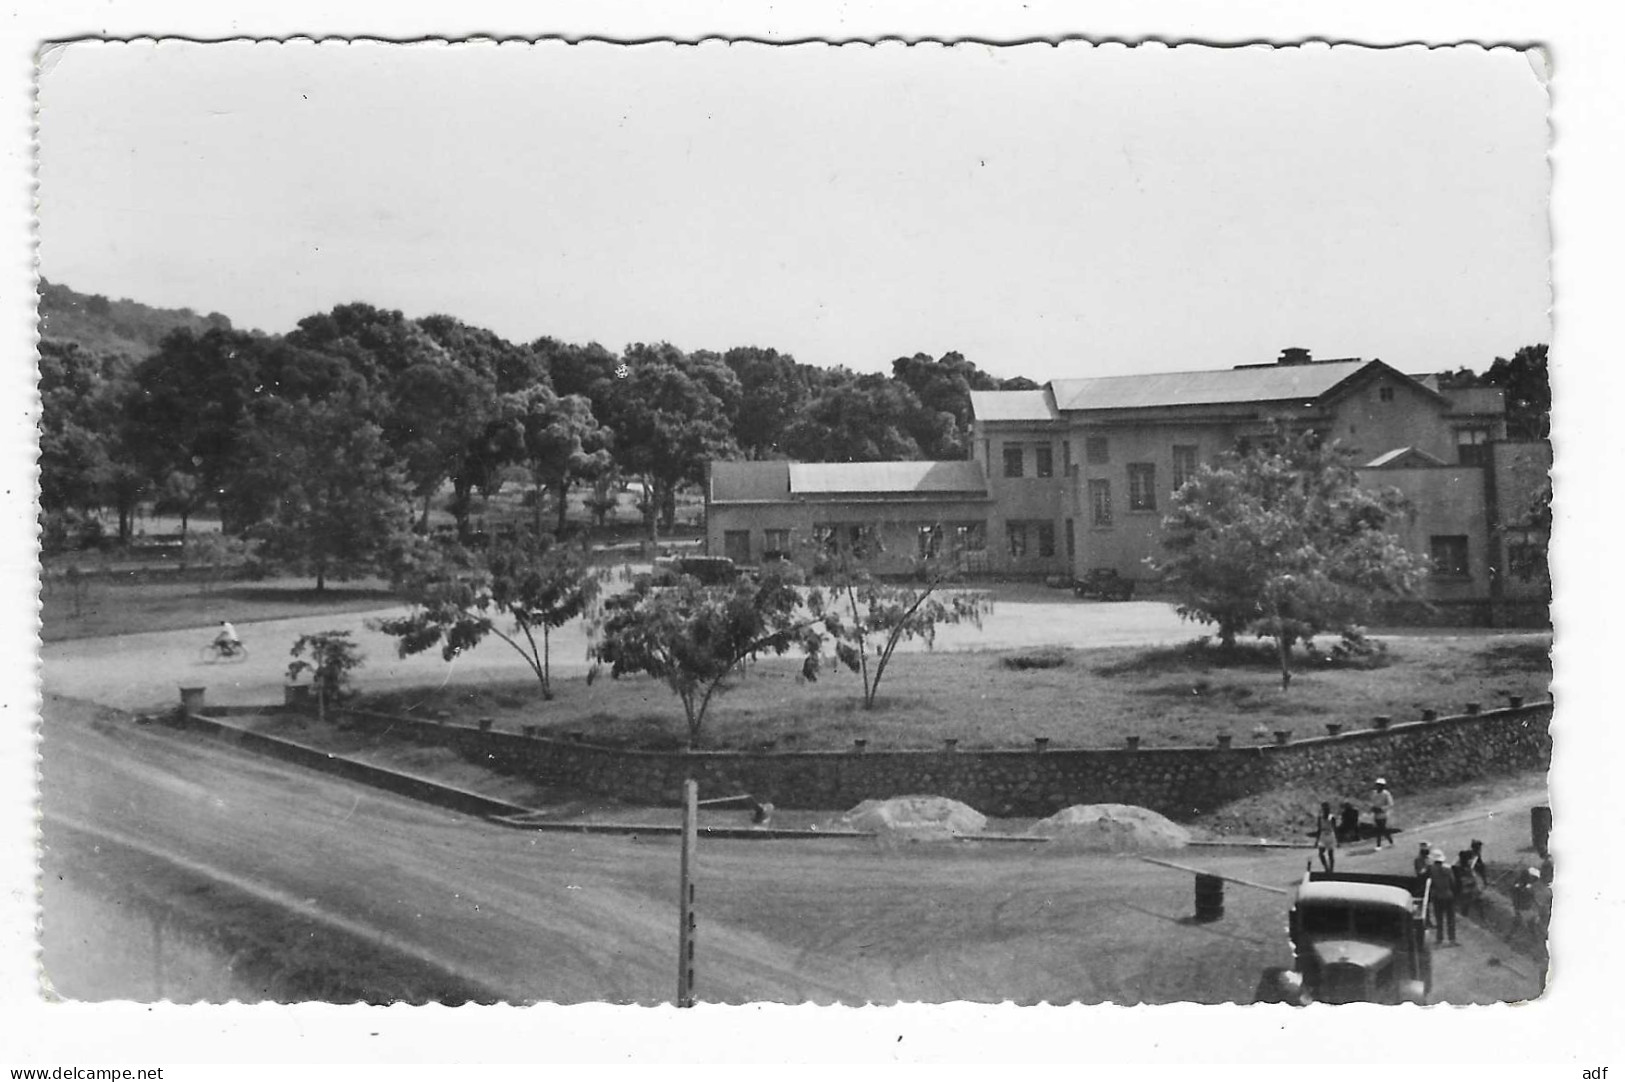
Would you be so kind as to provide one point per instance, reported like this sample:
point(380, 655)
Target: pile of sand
point(1112, 828)
point(915, 818)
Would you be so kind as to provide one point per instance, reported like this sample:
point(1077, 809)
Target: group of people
point(1332, 829)
point(1452, 888)
point(1456, 888)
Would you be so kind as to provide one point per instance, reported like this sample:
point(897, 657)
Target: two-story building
point(1078, 474)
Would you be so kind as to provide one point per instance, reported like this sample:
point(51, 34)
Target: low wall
point(1178, 782)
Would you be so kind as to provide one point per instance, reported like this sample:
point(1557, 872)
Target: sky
point(1048, 212)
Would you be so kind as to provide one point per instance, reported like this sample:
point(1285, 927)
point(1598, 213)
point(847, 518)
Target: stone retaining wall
point(1178, 782)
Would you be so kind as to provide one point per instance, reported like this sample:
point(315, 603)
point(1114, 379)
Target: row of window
point(1141, 475)
point(1448, 555)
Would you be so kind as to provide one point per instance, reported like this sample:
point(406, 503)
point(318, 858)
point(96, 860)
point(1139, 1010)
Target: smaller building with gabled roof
point(895, 512)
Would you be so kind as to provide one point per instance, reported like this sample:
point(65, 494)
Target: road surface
point(531, 917)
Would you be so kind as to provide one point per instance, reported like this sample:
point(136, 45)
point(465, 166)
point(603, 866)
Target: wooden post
point(685, 902)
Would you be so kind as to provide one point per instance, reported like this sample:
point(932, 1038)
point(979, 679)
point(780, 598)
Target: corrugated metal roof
point(733, 481)
point(1216, 387)
point(815, 478)
point(1012, 405)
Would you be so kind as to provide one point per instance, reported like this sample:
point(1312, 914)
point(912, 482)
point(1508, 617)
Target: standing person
point(1442, 891)
point(1479, 868)
point(1523, 895)
point(1469, 901)
point(1423, 858)
point(1326, 837)
point(1382, 804)
point(1348, 823)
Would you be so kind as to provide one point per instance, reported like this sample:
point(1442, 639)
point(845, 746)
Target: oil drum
point(1209, 898)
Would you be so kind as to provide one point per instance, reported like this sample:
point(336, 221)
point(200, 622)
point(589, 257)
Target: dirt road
point(570, 919)
point(144, 671)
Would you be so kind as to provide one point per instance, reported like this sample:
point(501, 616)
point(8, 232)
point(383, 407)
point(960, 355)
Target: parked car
point(1104, 584)
point(710, 570)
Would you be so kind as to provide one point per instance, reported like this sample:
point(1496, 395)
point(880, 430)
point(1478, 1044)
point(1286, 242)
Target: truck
point(1356, 938)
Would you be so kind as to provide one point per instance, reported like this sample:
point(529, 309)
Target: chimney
point(1294, 355)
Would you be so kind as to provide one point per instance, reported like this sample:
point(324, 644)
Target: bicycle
point(227, 652)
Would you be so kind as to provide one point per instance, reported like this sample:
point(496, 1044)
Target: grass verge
point(1179, 696)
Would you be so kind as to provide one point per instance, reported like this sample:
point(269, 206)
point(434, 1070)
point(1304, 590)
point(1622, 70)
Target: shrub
point(1045, 658)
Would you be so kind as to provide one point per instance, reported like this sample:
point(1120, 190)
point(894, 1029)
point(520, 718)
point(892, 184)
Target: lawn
point(1089, 698)
point(120, 605)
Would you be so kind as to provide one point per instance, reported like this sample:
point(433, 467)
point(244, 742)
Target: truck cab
point(1358, 939)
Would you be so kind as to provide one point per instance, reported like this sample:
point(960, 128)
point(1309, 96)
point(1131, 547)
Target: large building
point(1077, 475)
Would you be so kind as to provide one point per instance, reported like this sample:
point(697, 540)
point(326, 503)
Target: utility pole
point(685, 904)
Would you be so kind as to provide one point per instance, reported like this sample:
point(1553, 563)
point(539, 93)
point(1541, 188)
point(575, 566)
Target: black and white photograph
point(803, 546)
point(586, 523)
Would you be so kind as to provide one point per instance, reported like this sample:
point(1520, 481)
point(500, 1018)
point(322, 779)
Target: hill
point(100, 325)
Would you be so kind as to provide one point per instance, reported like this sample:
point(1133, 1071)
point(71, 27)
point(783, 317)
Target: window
point(1473, 446)
point(1046, 539)
point(736, 545)
point(1097, 450)
point(827, 539)
point(1066, 457)
point(862, 540)
point(1012, 460)
point(1071, 542)
point(775, 544)
point(1100, 504)
point(971, 536)
point(1184, 465)
point(1142, 486)
point(1526, 556)
point(1449, 554)
point(930, 542)
point(1385, 394)
point(1044, 464)
point(1016, 534)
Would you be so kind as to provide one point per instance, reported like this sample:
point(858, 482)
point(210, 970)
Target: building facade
point(1077, 475)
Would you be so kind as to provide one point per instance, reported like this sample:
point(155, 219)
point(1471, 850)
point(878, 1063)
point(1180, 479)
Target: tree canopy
point(1283, 541)
point(520, 589)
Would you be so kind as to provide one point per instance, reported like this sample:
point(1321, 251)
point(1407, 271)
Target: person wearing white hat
point(1382, 803)
point(1442, 891)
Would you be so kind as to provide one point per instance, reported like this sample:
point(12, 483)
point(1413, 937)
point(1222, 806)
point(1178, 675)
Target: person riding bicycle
point(227, 641)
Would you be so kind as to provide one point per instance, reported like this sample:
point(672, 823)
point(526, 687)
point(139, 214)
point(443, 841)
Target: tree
point(865, 615)
point(437, 412)
point(557, 439)
point(943, 387)
point(188, 410)
point(694, 637)
point(773, 388)
point(332, 658)
point(335, 499)
point(1282, 540)
point(1528, 387)
point(853, 418)
point(667, 423)
point(458, 595)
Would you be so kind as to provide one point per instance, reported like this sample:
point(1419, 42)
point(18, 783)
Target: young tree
point(332, 658)
point(1282, 540)
point(694, 637)
point(869, 618)
point(459, 595)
